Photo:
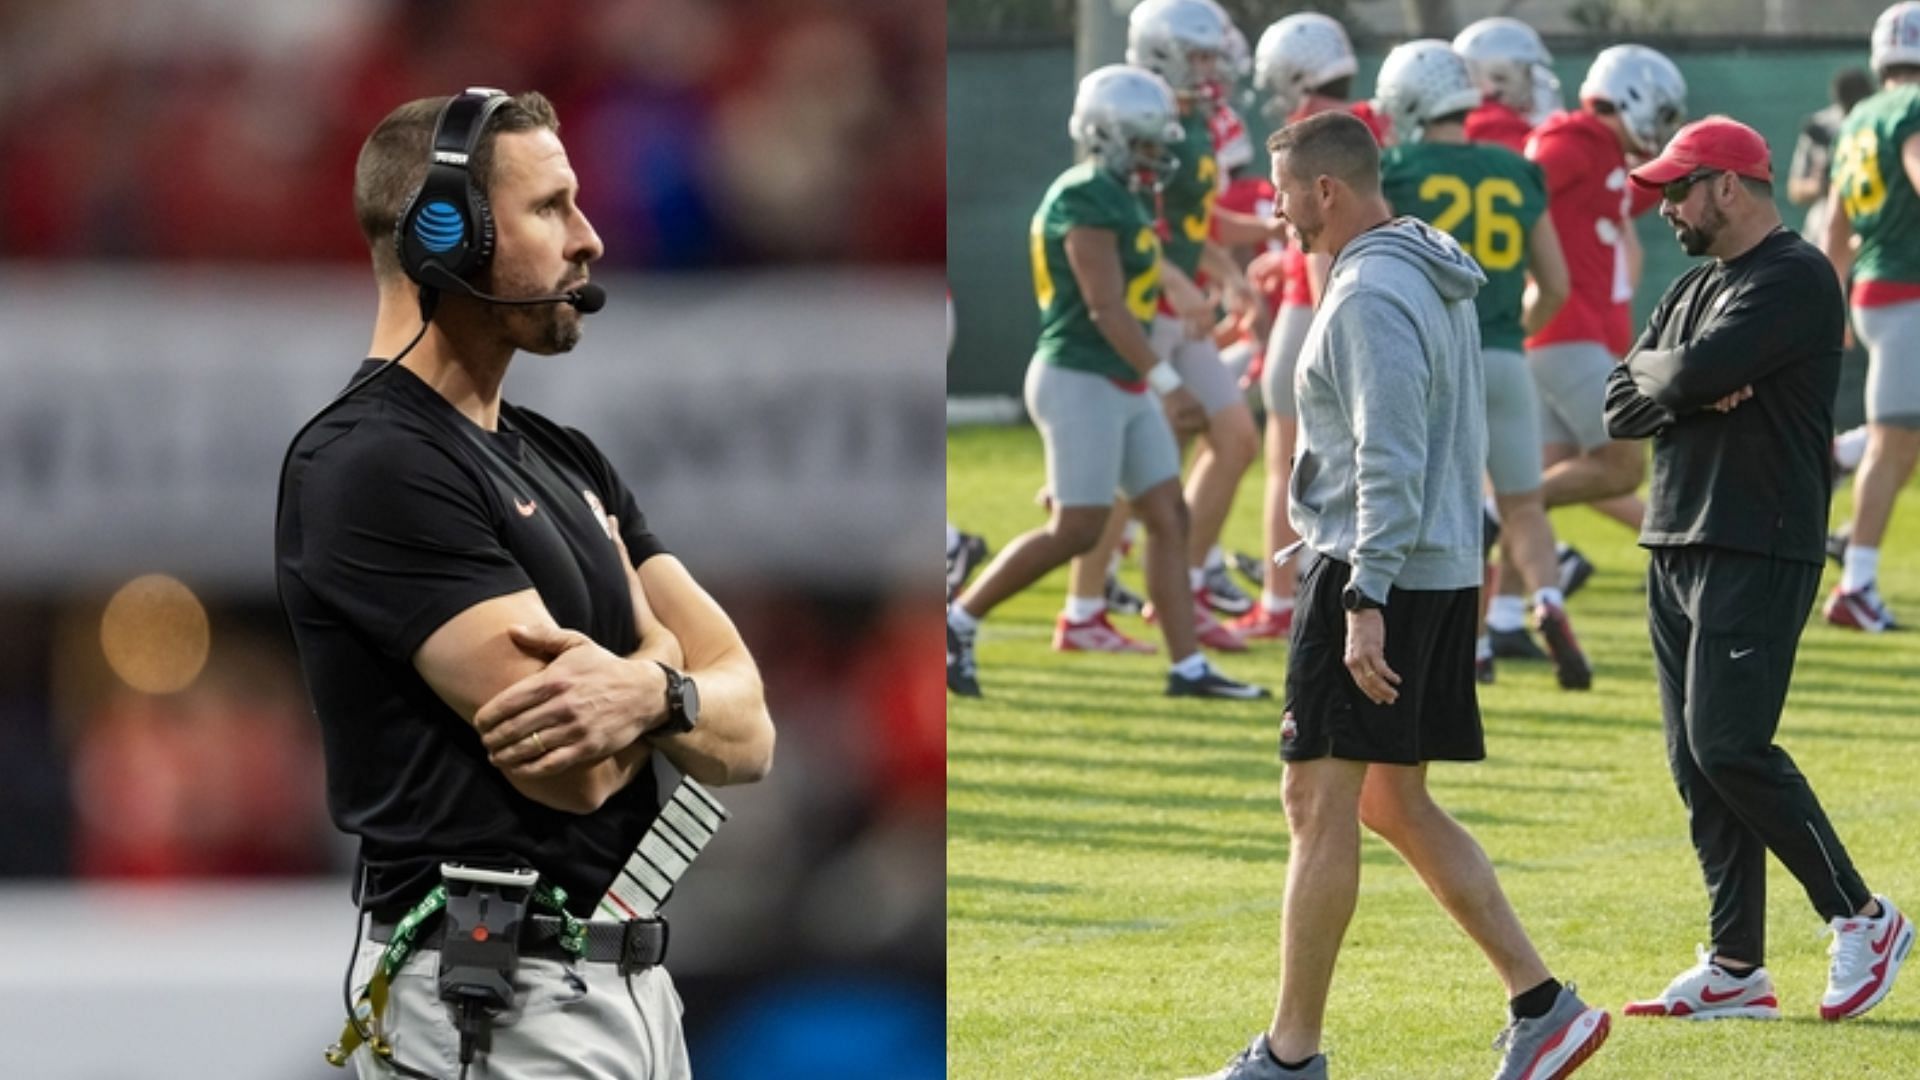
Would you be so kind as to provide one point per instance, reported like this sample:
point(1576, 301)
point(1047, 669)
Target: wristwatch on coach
point(1352, 599)
point(683, 704)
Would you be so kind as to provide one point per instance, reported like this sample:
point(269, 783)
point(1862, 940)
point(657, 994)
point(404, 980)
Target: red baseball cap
point(1715, 142)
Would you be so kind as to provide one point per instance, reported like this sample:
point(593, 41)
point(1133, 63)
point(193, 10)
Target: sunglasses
point(1676, 191)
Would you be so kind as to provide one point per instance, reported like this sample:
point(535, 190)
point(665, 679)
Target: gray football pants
point(569, 1022)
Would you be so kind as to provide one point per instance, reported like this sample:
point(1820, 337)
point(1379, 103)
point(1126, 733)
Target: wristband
point(1163, 378)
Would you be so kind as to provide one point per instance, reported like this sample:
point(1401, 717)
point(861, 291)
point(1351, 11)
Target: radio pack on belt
point(486, 914)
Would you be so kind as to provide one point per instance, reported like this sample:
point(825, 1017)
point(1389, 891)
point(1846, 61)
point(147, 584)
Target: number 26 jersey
point(1486, 197)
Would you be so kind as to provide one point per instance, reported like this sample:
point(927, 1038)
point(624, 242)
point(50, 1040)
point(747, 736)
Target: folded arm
point(1760, 330)
point(474, 656)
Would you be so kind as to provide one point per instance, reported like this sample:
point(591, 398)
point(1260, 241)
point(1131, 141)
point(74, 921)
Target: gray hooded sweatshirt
point(1392, 408)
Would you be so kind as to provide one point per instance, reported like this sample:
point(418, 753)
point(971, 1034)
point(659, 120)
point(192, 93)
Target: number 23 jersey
point(1489, 199)
point(1088, 197)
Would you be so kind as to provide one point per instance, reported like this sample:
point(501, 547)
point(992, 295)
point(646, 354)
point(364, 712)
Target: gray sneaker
point(1255, 1063)
point(1552, 1046)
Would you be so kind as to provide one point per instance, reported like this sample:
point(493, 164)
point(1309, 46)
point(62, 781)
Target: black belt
point(634, 944)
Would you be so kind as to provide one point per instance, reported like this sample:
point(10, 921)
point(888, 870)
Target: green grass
point(1115, 858)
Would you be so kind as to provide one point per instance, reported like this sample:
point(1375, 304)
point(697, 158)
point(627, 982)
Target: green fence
point(1007, 139)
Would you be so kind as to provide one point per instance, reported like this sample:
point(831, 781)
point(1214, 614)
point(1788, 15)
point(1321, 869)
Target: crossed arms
point(508, 668)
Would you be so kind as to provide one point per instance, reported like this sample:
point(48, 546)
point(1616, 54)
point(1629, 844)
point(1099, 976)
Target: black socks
point(1290, 1066)
point(1537, 1002)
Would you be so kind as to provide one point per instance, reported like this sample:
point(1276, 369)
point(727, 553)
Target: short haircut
point(1850, 87)
point(1759, 189)
point(1334, 143)
point(393, 164)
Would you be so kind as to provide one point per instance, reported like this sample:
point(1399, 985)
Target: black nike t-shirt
point(398, 513)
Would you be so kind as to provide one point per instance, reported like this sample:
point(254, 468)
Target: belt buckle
point(632, 944)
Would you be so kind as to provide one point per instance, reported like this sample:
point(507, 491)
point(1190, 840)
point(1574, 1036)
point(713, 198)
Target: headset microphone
point(587, 298)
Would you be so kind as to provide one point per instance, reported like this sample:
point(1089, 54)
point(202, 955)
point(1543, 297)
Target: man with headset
point(495, 640)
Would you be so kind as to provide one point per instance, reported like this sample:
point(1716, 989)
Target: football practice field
point(1115, 858)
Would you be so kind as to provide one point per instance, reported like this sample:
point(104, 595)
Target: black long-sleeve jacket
point(1755, 479)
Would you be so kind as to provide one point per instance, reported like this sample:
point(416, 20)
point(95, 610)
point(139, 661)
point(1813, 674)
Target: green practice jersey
point(1488, 198)
point(1089, 197)
point(1185, 202)
point(1873, 188)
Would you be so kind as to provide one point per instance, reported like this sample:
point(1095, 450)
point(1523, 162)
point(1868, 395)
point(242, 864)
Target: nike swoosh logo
point(1707, 995)
point(1740, 654)
point(526, 508)
point(1886, 939)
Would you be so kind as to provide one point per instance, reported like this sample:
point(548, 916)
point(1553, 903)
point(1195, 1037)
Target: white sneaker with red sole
point(1095, 635)
point(1866, 955)
point(1707, 992)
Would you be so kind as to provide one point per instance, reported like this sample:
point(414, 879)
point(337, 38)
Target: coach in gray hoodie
point(1386, 494)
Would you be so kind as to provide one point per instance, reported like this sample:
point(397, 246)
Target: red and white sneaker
point(1706, 992)
point(1867, 954)
point(1570, 664)
point(1211, 632)
point(1263, 625)
point(1861, 609)
point(1095, 635)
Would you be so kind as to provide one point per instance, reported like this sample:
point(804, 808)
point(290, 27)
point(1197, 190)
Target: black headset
point(446, 228)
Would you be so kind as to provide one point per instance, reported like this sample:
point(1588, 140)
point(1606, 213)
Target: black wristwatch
point(1352, 599)
point(683, 704)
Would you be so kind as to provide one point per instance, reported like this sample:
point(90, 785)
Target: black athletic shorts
point(1429, 645)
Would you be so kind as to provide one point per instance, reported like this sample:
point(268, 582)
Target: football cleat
point(1575, 569)
point(1095, 635)
point(1212, 684)
point(1861, 609)
point(1122, 599)
point(1221, 594)
point(961, 561)
point(1515, 644)
point(1570, 664)
point(1261, 624)
point(962, 672)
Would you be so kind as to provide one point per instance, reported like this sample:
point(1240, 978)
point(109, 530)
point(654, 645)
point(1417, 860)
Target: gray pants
point(569, 1022)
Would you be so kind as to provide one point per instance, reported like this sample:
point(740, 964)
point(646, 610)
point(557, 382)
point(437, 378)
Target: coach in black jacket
point(1734, 380)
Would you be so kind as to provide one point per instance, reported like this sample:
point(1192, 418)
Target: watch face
point(690, 701)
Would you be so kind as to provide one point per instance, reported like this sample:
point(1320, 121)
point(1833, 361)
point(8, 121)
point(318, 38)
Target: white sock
point(958, 618)
point(953, 539)
point(1483, 648)
point(1278, 605)
point(1849, 447)
point(1562, 549)
point(1862, 568)
point(1216, 559)
point(1492, 508)
point(1113, 564)
point(1549, 595)
point(1507, 613)
point(1192, 667)
point(1081, 608)
point(1196, 577)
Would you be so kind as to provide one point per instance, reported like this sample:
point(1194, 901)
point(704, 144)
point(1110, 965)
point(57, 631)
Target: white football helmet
point(1512, 65)
point(1422, 81)
point(1167, 36)
point(1645, 87)
point(1896, 37)
point(1125, 118)
point(1300, 53)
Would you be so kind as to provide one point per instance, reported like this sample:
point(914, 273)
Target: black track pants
point(1725, 627)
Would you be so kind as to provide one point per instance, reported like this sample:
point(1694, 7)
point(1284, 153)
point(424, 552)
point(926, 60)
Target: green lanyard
point(372, 1003)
